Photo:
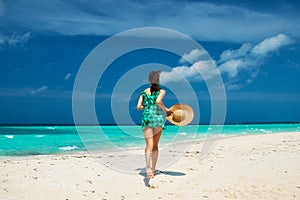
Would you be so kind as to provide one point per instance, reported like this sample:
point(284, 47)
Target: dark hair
point(154, 81)
point(154, 88)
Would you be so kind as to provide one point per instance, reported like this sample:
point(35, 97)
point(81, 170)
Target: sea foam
point(68, 148)
point(39, 136)
point(9, 136)
point(265, 131)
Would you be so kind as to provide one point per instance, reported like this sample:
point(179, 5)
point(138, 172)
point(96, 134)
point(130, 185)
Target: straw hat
point(182, 115)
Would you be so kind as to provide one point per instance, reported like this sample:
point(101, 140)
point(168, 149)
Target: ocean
point(43, 140)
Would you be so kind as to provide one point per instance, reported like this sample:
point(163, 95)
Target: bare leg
point(156, 137)
point(148, 134)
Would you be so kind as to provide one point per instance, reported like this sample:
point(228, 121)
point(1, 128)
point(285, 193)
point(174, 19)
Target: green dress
point(153, 114)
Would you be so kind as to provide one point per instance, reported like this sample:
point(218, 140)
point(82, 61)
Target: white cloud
point(233, 86)
point(231, 67)
point(238, 83)
point(252, 76)
point(249, 57)
point(271, 44)
point(40, 89)
point(200, 20)
point(14, 39)
point(18, 38)
point(238, 67)
point(193, 56)
point(235, 54)
point(201, 70)
point(67, 76)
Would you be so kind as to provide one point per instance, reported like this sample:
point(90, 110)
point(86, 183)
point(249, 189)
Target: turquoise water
point(38, 140)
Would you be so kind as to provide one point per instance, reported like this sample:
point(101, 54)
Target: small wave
point(265, 131)
point(68, 148)
point(51, 128)
point(9, 136)
point(182, 133)
point(209, 128)
point(39, 136)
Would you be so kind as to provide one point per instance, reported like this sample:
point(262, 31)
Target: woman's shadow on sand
point(157, 173)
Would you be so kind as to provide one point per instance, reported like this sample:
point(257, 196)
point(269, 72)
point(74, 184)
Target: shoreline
point(197, 140)
point(62, 140)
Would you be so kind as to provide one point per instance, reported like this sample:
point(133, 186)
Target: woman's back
point(153, 114)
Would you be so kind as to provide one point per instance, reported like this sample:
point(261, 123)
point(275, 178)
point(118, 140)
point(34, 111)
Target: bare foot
point(149, 173)
point(154, 170)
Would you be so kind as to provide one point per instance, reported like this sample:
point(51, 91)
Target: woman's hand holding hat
point(169, 112)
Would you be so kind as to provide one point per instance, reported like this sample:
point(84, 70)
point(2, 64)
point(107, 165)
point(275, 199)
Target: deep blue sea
point(39, 140)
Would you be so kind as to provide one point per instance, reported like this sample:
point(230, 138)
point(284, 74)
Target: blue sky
point(254, 44)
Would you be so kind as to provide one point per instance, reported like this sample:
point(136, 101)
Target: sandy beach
point(244, 167)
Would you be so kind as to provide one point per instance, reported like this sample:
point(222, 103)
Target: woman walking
point(153, 119)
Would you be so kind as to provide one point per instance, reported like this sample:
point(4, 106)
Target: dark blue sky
point(254, 44)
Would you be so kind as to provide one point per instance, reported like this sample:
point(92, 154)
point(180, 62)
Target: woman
point(153, 119)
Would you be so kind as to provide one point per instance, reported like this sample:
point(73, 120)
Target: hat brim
point(187, 109)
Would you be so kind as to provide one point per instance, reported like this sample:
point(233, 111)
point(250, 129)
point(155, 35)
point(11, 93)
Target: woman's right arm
point(160, 103)
point(140, 103)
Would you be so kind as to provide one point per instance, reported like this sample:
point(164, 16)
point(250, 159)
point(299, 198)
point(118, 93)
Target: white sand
point(245, 167)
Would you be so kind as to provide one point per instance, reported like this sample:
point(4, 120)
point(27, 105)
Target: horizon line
point(113, 124)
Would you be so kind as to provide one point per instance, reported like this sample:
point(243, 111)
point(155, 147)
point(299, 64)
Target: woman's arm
point(140, 103)
point(160, 103)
